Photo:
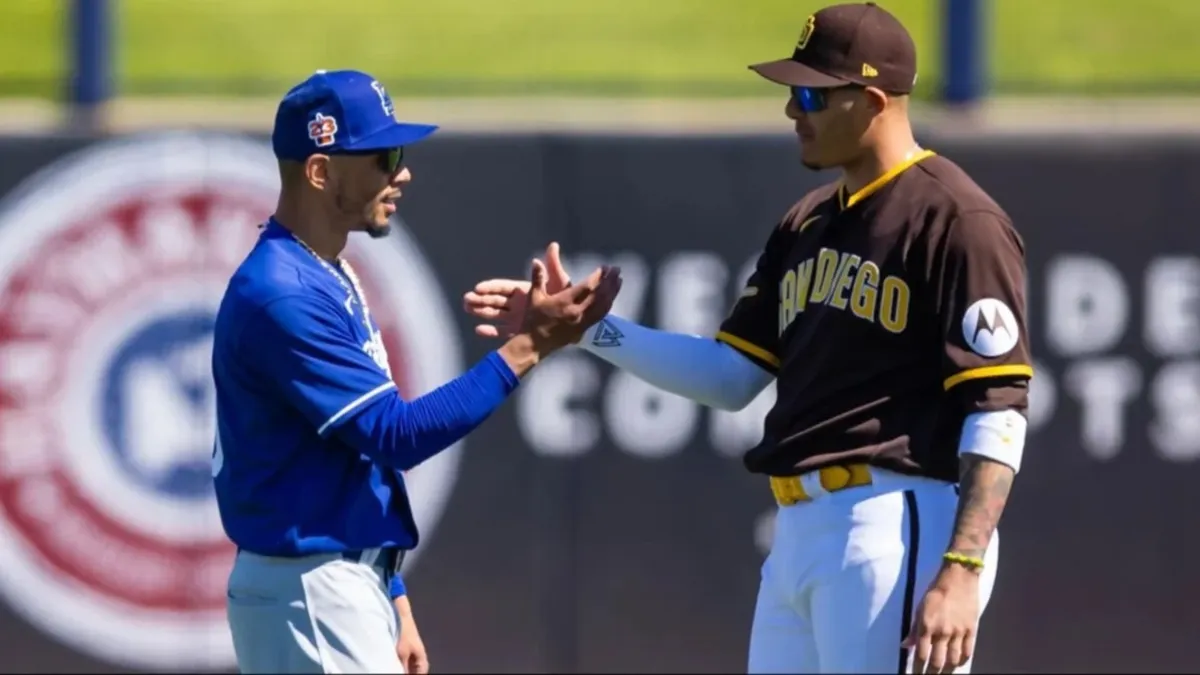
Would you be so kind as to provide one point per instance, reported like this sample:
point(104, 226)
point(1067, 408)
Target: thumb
point(554, 262)
point(537, 278)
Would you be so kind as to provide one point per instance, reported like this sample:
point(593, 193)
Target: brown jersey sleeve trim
point(760, 355)
point(985, 372)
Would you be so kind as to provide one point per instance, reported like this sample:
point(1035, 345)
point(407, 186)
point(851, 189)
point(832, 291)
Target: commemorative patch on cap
point(323, 130)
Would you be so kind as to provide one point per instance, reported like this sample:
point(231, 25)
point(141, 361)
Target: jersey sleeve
point(752, 326)
point(304, 347)
point(979, 282)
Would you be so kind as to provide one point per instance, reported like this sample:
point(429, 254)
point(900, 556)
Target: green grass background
point(613, 47)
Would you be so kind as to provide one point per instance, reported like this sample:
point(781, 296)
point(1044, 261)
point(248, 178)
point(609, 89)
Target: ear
point(316, 171)
point(877, 99)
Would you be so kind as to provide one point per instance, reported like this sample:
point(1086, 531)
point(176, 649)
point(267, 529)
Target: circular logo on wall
point(113, 261)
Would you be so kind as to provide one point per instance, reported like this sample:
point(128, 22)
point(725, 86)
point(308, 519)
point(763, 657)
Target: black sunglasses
point(390, 160)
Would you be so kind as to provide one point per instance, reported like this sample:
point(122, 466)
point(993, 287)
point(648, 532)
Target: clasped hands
point(548, 306)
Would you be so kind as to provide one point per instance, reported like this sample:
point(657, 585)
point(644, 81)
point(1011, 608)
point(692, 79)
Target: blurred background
point(595, 524)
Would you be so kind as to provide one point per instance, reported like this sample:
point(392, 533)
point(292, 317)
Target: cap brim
point(794, 74)
point(401, 133)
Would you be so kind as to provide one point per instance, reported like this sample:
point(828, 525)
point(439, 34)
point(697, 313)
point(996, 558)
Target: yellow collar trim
point(872, 187)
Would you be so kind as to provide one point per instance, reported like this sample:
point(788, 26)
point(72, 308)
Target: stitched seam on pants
point(910, 581)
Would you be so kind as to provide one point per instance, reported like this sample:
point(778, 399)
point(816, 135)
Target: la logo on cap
point(806, 32)
point(384, 99)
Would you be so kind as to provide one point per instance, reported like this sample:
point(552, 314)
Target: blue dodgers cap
point(340, 111)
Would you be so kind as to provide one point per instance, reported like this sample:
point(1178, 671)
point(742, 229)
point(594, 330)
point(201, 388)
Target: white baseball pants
point(847, 571)
point(317, 614)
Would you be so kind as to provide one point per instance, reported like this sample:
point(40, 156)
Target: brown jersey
point(887, 316)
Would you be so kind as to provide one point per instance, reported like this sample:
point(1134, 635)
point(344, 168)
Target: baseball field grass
point(605, 47)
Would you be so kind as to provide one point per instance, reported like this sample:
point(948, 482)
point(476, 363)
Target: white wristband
point(998, 435)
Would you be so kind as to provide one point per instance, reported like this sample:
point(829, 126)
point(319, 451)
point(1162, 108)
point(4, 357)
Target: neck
point(878, 160)
point(311, 226)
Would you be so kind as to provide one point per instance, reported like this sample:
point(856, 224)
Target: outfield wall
point(593, 524)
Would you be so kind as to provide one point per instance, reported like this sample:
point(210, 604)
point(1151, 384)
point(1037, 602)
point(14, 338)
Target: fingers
point(487, 331)
point(488, 313)
point(564, 315)
point(583, 295)
point(588, 286)
point(937, 654)
point(920, 642)
point(554, 265)
point(921, 653)
point(537, 277)
point(603, 300)
point(472, 300)
point(488, 308)
point(601, 287)
point(581, 302)
point(939, 651)
point(953, 658)
point(501, 287)
point(968, 650)
point(607, 290)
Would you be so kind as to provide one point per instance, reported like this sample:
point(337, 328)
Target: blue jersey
point(312, 436)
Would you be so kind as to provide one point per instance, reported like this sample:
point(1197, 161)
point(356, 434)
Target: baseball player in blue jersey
point(312, 434)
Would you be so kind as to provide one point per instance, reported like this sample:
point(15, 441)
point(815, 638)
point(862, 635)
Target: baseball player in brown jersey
point(889, 307)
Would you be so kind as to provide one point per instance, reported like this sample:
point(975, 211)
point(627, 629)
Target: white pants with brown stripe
point(846, 572)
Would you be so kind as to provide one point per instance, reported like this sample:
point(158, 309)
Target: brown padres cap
point(856, 43)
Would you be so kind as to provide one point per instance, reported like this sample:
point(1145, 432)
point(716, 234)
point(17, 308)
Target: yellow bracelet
point(969, 561)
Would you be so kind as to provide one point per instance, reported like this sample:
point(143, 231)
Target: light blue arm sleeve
point(703, 369)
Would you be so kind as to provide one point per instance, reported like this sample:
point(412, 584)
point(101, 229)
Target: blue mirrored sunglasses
point(810, 99)
point(816, 99)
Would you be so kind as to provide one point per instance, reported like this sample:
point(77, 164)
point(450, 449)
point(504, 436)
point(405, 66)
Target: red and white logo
point(112, 264)
point(323, 129)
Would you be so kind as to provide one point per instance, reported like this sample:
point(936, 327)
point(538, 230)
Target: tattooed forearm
point(983, 491)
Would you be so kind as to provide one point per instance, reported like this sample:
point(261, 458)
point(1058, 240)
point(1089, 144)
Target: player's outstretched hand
point(945, 623)
point(501, 303)
point(556, 319)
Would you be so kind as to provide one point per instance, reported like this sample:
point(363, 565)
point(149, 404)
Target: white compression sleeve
point(707, 371)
